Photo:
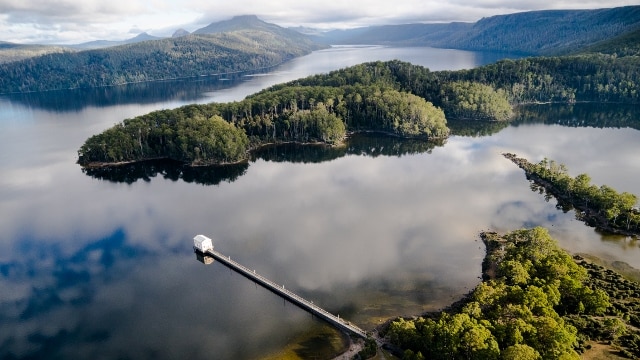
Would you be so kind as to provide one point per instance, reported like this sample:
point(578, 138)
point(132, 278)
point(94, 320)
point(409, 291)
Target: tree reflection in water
point(369, 144)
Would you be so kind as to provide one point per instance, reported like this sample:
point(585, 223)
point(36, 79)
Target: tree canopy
point(196, 140)
point(601, 206)
point(296, 113)
point(393, 97)
point(181, 57)
point(465, 99)
point(518, 314)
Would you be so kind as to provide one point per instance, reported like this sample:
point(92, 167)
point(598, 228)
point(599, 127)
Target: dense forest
point(627, 44)
point(301, 114)
point(600, 206)
point(393, 97)
point(592, 77)
point(535, 302)
point(10, 52)
point(186, 56)
point(547, 32)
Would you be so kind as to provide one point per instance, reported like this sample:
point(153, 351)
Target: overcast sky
point(75, 21)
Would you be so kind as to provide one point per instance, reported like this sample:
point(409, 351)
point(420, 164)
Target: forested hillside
point(595, 77)
point(394, 35)
point(592, 77)
point(549, 32)
point(627, 44)
point(10, 52)
point(191, 55)
point(246, 43)
point(98, 44)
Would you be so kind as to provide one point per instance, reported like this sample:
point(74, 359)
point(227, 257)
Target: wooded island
point(393, 97)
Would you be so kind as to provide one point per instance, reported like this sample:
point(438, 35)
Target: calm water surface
point(101, 265)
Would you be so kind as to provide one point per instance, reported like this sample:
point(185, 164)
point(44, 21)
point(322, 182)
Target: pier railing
point(288, 295)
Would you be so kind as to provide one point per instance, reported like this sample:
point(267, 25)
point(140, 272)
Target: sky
point(77, 21)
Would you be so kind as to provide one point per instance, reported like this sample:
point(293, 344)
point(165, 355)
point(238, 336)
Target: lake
point(100, 264)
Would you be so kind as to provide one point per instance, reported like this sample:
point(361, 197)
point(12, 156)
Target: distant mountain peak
point(246, 17)
point(180, 32)
point(239, 22)
point(143, 36)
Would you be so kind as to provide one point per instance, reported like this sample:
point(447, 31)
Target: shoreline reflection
point(366, 144)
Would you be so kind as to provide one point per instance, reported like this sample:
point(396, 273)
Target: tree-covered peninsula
point(535, 302)
point(602, 207)
point(393, 97)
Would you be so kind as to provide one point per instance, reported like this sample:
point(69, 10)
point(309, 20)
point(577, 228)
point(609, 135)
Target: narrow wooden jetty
point(280, 290)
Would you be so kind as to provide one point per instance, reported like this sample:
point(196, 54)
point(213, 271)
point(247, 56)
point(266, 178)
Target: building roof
point(201, 239)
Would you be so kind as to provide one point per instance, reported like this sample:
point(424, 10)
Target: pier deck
point(288, 295)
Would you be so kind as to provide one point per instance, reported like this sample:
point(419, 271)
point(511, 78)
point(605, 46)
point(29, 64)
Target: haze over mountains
point(241, 44)
point(237, 23)
point(548, 32)
point(13, 52)
point(246, 42)
point(107, 43)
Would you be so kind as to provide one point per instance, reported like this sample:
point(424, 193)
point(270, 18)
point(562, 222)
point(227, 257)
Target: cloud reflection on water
point(91, 268)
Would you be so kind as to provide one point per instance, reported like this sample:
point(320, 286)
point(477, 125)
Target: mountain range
point(237, 23)
point(247, 43)
point(107, 43)
point(548, 32)
point(13, 52)
point(241, 44)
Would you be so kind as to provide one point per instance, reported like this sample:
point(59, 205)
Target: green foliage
point(186, 56)
point(293, 113)
point(592, 77)
point(394, 97)
point(627, 44)
point(520, 352)
point(321, 122)
point(196, 139)
point(602, 205)
point(369, 350)
point(588, 77)
point(547, 32)
point(470, 100)
point(618, 325)
point(15, 52)
point(515, 316)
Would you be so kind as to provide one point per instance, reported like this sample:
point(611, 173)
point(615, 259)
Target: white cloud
point(67, 21)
